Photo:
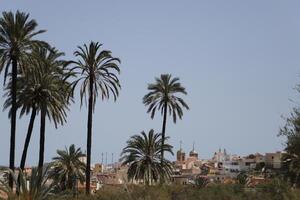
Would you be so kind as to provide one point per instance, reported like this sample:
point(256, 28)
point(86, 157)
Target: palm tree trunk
point(89, 138)
point(163, 131)
point(70, 183)
point(42, 138)
point(13, 119)
point(28, 136)
point(149, 175)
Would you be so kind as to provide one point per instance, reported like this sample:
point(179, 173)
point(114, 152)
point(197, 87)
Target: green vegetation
point(291, 161)
point(180, 192)
point(142, 153)
point(34, 187)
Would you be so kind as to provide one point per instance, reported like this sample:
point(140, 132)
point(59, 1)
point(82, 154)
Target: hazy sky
point(239, 61)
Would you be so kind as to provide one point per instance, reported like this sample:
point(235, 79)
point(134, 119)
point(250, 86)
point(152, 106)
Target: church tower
point(194, 153)
point(180, 154)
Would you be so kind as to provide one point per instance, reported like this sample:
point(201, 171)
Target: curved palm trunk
point(13, 120)
point(28, 137)
point(89, 138)
point(42, 138)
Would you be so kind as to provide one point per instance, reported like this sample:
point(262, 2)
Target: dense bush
point(270, 191)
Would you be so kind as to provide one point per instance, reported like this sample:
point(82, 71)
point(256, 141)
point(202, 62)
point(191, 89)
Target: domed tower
point(194, 153)
point(180, 154)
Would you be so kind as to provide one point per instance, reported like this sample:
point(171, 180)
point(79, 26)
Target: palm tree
point(98, 75)
point(16, 41)
point(162, 96)
point(51, 79)
point(143, 154)
point(33, 187)
point(67, 166)
point(42, 88)
point(26, 95)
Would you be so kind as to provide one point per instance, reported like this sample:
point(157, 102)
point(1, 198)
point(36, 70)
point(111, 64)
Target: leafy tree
point(68, 167)
point(16, 40)
point(242, 178)
point(163, 96)
point(260, 166)
point(291, 161)
point(201, 181)
point(98, 70)
point(29, 187)
point(142, 153)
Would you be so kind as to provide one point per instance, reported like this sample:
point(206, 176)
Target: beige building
point(273, 160)
point(191, 164)
point(99, 168)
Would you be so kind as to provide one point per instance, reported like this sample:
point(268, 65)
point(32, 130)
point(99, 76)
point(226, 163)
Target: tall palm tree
point(143, 154)
point(98, 76)
point(43, 83)
point(67, 166)
point(25, 101)
point(53, 88)
point(16, 39)
point(163, 96)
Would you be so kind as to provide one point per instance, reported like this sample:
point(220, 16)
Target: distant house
point(273, 160)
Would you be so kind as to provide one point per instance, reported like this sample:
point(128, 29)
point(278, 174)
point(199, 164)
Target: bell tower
point(180, 154)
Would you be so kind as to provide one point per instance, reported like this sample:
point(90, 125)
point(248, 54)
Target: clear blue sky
point(239, 61)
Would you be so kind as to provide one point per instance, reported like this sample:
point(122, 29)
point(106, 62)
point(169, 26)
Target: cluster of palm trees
point(41, 83)
point(60, 175)
point(145, 153)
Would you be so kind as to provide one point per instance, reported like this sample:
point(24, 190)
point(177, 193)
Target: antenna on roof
point(194, 146)
point(105, 158)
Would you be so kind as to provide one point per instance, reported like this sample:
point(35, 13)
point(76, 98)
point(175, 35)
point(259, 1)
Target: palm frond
point(164, 92)
point(143, 155)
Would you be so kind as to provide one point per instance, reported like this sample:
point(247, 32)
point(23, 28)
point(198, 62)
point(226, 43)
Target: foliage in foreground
point(291, 161)
point(34, 187)
point(271, 191)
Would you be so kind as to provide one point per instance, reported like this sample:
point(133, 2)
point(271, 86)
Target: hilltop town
point(223, 167)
